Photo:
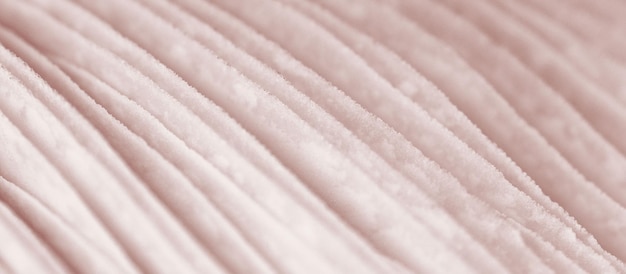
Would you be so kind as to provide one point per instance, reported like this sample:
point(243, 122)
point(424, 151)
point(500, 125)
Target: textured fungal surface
point(312, 136)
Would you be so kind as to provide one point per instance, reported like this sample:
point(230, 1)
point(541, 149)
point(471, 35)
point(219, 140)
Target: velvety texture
point(312, 136)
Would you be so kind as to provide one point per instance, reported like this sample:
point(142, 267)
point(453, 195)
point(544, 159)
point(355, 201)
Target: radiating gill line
point(375, 15)
point(39, 250)
point(311, 116)
point(607, 174)
point(41, 150)
point(73, 179)
point(294, 108)
point(166, 203)
point(78, 75)
point(191, 150)
point(518, 171)
point(390, 39)
point(558, 191)
point(397, 170)
point(83, 128)
point(336, 24)
point(4, 31)
point(585, 27)
point(273, 90)
point(237, 113)
point(592, 132)
point(448, 88)
point(549, 253)
point(332, 215)
point(603, 114)
point(62, 81)
point(600, 68)
point(42, 220)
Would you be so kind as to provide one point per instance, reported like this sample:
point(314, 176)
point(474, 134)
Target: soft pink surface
point(326, 136)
